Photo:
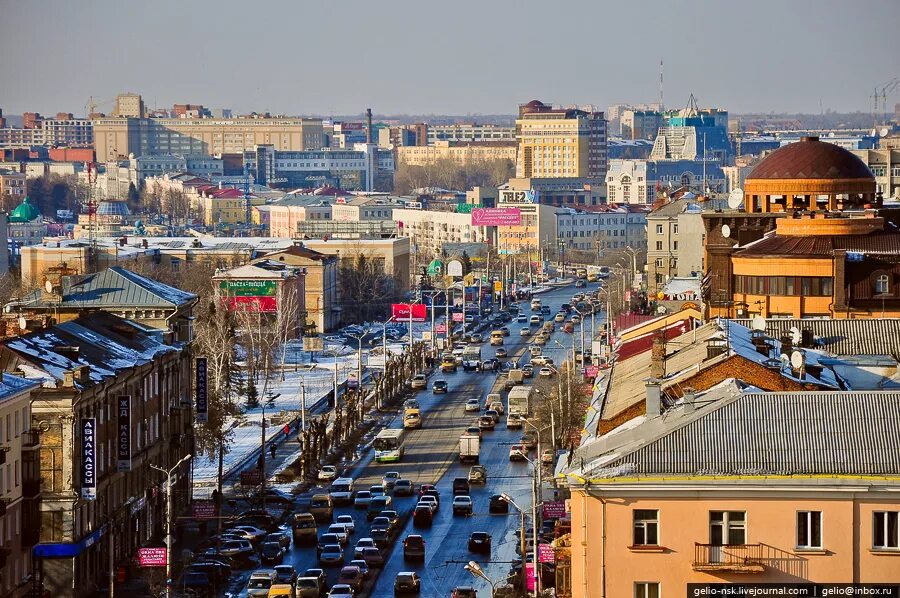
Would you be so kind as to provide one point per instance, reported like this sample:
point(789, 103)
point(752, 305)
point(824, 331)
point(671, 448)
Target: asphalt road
point(432, 457)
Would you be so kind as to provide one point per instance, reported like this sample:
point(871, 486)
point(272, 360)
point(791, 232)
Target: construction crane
point(91, 106)
point(886, 89)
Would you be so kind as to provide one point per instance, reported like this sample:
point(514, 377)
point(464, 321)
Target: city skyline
point(421, 60)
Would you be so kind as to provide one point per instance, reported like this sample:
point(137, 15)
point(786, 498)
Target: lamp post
point(476, 571)
point(534, 532)
point(521, 511)
point(169, 539)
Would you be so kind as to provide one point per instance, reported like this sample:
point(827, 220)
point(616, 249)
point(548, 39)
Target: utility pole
point(169, 522)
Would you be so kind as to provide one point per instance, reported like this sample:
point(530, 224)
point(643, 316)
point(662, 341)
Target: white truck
point(518, 405)
point(469, 447)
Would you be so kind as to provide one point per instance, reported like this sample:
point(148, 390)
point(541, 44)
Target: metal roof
point(875, 336)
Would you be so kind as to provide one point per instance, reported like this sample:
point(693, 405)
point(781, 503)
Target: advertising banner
point(554, 509)
point(458, 316)
point(546, 554)
point(200, 389)
point(251, 477)
point(89, 458)
point(402, 312)
point(203, 509)
point(250, 295)
point(591, 371)
point(496, 217)
point(123, 433)
point(440, 329)
point(530, 577)
point(152, 557)
point(454, 268)
point(313, 343)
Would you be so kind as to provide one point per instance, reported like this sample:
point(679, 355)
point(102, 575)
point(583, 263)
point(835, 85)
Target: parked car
point(518, 452)
point(407, 582)
point(260, 581)
point(480, 542)
point(414, 547)
point(462, 505)
point(248, 532)
point(282, 537)
point(272, 553)
point(327, 473)
point(403, 488)
point(419, 382)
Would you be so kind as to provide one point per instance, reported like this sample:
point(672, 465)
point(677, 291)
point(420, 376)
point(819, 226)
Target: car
point(433, 493)
point(403, 488)
point(331, 555)
point(304, 527)
point(377, 490)
point(419, 382)
point(217, 572)
point(472, 405)
point(486, 422)
point(439, 386)
point(407, 582)
point(547, 457)
point(528, 371)
point(282, 537)
point(260, 581)
point(351, 576)
point(430, 501)
point(535, 350)
point(497, 406)
point(518, 452)
point(425, 488)
point(522, 319)
point(327, 473)
point(361, 544)
point(541, 339)
point(373, 557)
point(389, 479)
point(276, 496)
point(491, 364)
point(474, 431)
point(461, 486)
point(545, 372)
point(362, 499)
point(501, 352)
point(381, 522)
point(239, 549)
point(382, 536)
point(347, 522)
point(248, 532)
point(308, 587)
point(539, 360)
point(340, 531)
point(196, 583)
point(462, 505)
point(423, 515)
point(319, 575)
point(326, 539)
point(524, 331)
point(414, 547)
point(363, 567)
point(448, 365)
point(560, 316)
point(393, 518)
point(480, 542)
point(492, 413)
point(463, 592)
point(340, 590)
point(377, 505)
point(478, 474)
point(576, 319)
point(286, 574)
point(529, 439)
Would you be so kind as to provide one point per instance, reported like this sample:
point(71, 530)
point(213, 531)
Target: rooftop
point(883, 243)
point(811, 158)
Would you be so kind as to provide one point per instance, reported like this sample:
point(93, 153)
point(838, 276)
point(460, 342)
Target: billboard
point(250, 295)
point(152, 557)
point(200, 389)
point(123, 433)
point(203, 509)
point(508, 196)
point(496, 217)
point(89, 458)
point(406, 312)
point(554, 509)
point(546, 554)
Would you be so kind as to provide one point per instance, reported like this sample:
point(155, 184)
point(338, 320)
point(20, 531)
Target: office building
point(366, 167)
point(462, 152)
point(469, 133)
point(885, 167)
point(286, 213)
point(694, 133)
point(640, 124)
point(430, 230)
point(675, 239)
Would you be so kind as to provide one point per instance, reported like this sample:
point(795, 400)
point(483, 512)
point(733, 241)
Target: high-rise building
point(640, 124)
point(129, 105)
point(560, 142)
point(694, 134)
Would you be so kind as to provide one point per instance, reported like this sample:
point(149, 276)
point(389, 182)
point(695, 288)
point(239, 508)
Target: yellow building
point(560, 142)
point(223, 210)
point(423, 155)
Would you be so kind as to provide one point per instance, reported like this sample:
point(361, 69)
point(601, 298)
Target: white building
point(638, 181)
point(472, 133)
point(429, 230)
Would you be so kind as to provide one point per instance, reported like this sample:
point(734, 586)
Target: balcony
point(734, 558)
point(31, 440)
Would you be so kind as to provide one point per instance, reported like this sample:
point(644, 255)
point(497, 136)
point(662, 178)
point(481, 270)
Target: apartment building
point(430, 230)
point(50, 132)
point(12, 183)
point(366, 167)
point(463, 152)
point(101, 500)
point(286, 213)
point(20, 485)
point(641, 181)
point(363, 208)
point(470, 133)
point(676, 239)
point(640, 124)
point(885, 166)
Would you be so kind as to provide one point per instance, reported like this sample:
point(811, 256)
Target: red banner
point(152, 557)
point(546, 554)
point(256, 304)
point(440, 329)
point(458, 317)
point(402, 312)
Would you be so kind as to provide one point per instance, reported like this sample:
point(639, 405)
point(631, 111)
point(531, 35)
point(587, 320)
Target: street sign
point(546, 554)
point(554, 509)
point(440, 329)
point(458, 317)
point(152, 557)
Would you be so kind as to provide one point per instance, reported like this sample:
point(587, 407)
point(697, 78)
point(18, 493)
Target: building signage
point(251, 477)
point(591, 371)
point(200, 389)
point(123, 433)
point(458, 316)
point(440, 329)
point(496, 217)
point(554, 509)
point(409, 312)
point(689, 296)
point(204, 509)
point(89, 458)
point(530, 577)
point(508, 196)
point(250, 295)
point(152, 557)
point(546, 554)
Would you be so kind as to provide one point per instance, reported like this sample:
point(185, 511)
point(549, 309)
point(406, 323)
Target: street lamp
point(476, 570)
point(536, 465)
point(169, 539)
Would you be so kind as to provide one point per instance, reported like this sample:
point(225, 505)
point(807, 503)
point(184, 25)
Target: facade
point(50, 132)
point(470, 133)
point(26, 226)
point(141, 167)
point(93, 516)
point(885, 166)
point(287, 213)
point(270, 290)
point(12, 184)
point(538, 226)
point(641, 181)
point(322, 293)
point(77, 256)
point(222, 206)
point(366, 167)
point(116, 138)
point(20, 487)
point(459, 151)
point(560, 143)
point(430, 230)
point(694, 134)
point(390, 255)
point(363, 208)
point(561, 192)
point(640, 124)
point(620, 227)
point(129, 105)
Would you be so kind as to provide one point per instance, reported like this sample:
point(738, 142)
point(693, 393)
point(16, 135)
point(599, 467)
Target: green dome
point(24, 212)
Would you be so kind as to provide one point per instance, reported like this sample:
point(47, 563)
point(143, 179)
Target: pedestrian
point(286, 429)
point(272, 449)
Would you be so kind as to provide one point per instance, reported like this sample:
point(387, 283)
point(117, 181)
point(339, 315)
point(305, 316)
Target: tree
point(452, 174)
point(466, 262)
point(367, 291)
point(134, 199)
point(53, 192)
point(151, 199)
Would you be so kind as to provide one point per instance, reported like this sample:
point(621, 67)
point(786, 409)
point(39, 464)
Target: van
point(321, 507)
point(304, 527)
point(341, 491)
point(261, 581)
point(497, 338)
point(460, 486)
point(282, 589)
point(535, 305)
point(492, 397)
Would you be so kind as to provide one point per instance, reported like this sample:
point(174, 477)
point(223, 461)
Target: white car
point(545, 372)
point(525, 332)
point(340, 531)
point(361, 544)
point(347, 522)
point(327, 473)
point(249, 532)
point(419, 382)
point(430, 501)
point(472, 405)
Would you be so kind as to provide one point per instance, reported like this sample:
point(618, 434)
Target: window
point(674, 245)
point(727, 528)
point(674, 229)
point(659, 245)
point(659, 229)
point(882, 284)
point(646, 527)
point(646, 589)
point(885, 532)
point(809, 529)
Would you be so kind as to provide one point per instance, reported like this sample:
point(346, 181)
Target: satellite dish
point(22, 323)
point(795, 335)
point(726, 231)
point(797, 360)
point(759, 323)
point(784, 359)
point(735, 198)
point(48, 286)
point(884, 132)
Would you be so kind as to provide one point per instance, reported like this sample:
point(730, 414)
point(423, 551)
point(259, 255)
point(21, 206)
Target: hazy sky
point(454, 57)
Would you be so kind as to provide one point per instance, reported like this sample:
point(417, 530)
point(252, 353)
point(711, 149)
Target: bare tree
point(367, 290)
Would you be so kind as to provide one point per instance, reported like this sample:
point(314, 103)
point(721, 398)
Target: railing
point(746, 558)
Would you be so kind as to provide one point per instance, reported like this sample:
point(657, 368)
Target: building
point(390, 255)
point(100, 499)
point(366, 167)
point(629, 149)
point(694, 134)
point(20, 487)
point(141, 167)
point(222, 206)
point(268, 289)
point(835, 250)
point(469, 133)
point(560, 142)
point(885, 166)
point(78, 257)
point(363, 208)
point(620, 227)
point(641, 181)
point(152, 304)
point(12, 183)
point(464, 152)
point(26, 226)
point(430, 230)
point(285, 214)
point(117, 138)
point(537, 228)
point(561, 192)
point(640, 124)
point(129, 105)
point(62, 131)
point(322, 292)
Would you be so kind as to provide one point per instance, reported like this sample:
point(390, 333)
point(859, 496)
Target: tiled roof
point(876, 336)
point(810, 158)
point(878, 243)
point(116, 287)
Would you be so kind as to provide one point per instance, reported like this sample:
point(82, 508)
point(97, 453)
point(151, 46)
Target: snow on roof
point(10, 386)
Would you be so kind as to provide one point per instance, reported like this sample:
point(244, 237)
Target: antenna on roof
point(662, 107)
point(735, 198)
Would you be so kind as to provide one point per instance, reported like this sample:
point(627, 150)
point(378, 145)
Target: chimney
point(690, 396)
point(787, 343)
point(654, 398)
point(368, 125)
point(807, 338)
point(658, 357)
point(68, 379)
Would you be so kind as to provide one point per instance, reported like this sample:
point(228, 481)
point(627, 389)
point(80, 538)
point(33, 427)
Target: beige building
point(429, 230)
point(462, 152)
point(20, 485)
point(885, 165)
point(362, 208)
point(116, 138)
point(641, 124)
point(537, 228)
point(223, 210)
point(75, 256)
point(129, 105)
point(285, 214)
point(390, 255)
point(12, 184)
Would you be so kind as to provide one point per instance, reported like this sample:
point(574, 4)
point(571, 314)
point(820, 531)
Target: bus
point(389, 445)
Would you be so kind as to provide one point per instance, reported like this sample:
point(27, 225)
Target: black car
point(580, 283)
point(407, 582)
point(286, 574)
point(439, 386)
point(423, 516)
point(414, 547)
point(480, 542)
point(271, 553)
point(196, 582)
point(381, 536)
point(497, 504)
point(403, 488)
point(218, 572)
